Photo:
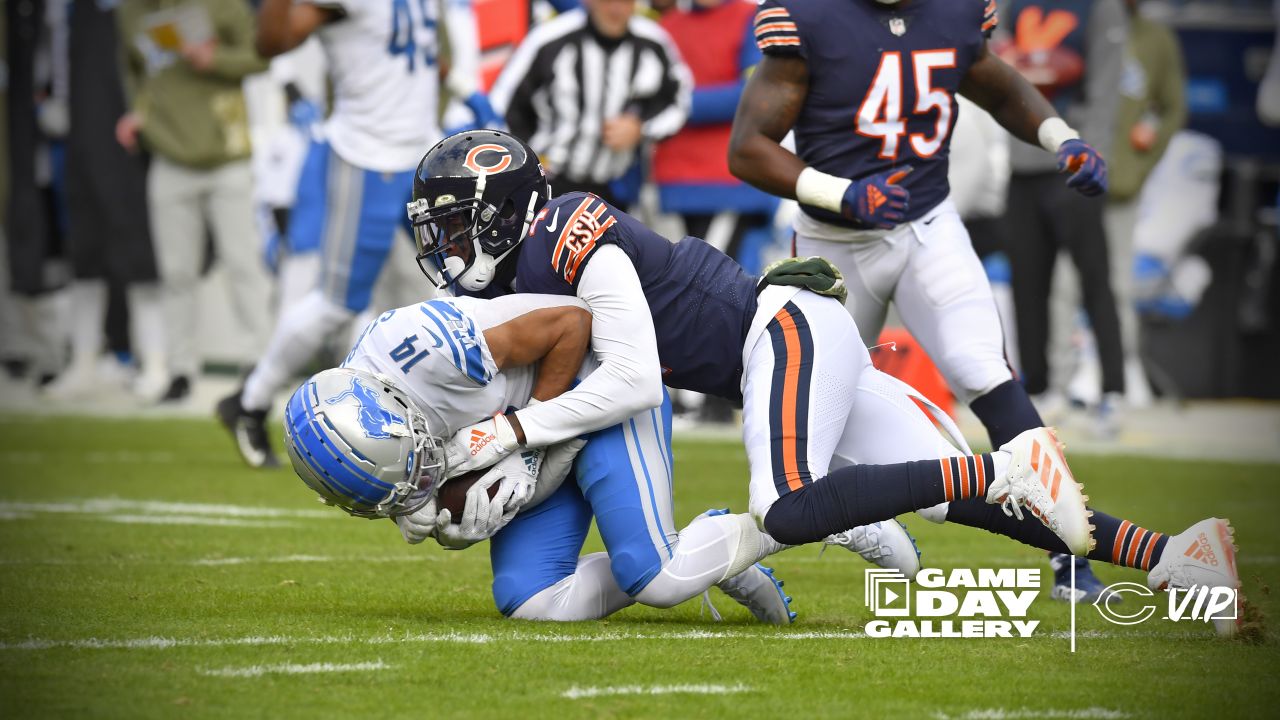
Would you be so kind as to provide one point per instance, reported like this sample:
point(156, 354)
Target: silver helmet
point(359, 442)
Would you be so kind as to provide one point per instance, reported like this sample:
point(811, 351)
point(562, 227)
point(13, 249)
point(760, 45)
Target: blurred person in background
point(588, 88)
point(77, 196)
point(1073, 52)
point(354, 184)
point(691, 168)
point(184, 65)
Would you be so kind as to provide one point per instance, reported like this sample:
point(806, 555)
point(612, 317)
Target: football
point(453, 493)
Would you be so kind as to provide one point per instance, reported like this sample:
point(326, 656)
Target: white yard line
point(292, 669)
point(1089, 713)
point(578, 693)
point(97, 506)
point(189, 520)
point(481, 638)
point(219, 562)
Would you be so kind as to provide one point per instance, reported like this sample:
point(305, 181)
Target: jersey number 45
point(881, 113)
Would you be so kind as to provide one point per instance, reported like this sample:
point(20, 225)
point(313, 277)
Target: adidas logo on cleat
point(1202, 551)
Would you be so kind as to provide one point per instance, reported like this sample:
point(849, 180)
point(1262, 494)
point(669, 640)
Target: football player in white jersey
point(420, 373)
point(382, 60)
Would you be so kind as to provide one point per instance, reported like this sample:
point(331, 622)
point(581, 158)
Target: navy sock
point(976, 513)
point(863, 494)
point(1006, 412)
point(1120, 542)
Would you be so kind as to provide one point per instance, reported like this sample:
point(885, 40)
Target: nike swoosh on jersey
point(434, 338)
point(555, 221)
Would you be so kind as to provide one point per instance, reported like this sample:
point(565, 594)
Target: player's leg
point(1032, 253)
point(537, 572)
point(798, 388)
point(802, 361)
point(625, 474)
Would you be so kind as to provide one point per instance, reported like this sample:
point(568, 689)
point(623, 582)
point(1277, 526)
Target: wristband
point(819, 189)
point(1053, 132)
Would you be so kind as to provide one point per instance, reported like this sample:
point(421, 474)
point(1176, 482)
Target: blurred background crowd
point(151, 158)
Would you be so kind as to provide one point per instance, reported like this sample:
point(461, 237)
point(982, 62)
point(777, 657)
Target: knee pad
point(587, 594)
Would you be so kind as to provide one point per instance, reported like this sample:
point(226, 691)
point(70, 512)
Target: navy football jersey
point(882, 80)
point(702, 301)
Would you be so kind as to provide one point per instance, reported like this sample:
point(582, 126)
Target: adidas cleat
point(1202, 555)
point(886, 544)
point(1039, 481)
point(249, 431)
point(759, 591)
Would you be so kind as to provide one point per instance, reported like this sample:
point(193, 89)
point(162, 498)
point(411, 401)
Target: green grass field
point(118, 599)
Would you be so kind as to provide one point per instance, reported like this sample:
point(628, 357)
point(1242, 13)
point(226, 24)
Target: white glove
point(555, 468)
point(480, 445)
point(519, 477)
point(482, 518)
point(419, 524)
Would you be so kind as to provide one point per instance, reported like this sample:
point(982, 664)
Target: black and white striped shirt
point(565, 80)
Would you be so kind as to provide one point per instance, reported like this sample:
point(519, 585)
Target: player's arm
point(629, 379)
point(1022, 110)
point(556, 338)
point(770, 104)
point(284, 25)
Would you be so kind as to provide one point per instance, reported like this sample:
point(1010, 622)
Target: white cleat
point(759, 591)
point(886, 544)
point(1202, 555)
point(1039, 480)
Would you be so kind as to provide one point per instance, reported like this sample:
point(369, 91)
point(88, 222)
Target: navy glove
point(1088, 169)
point(878, 201)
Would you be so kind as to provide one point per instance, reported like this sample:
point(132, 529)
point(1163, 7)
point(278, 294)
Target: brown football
point(453, 493)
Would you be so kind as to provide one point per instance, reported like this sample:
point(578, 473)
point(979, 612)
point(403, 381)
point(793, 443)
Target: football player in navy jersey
point(831, 442)
point(868, 87)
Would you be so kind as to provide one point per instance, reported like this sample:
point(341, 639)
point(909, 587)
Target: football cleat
point(1039, 481)
point(1202, 555)
point(886, 544)
point(1088, 587)
point(759, 591)
point(249, 431)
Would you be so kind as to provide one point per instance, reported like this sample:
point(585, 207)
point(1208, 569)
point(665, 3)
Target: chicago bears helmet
point(360, 443)
point(474, 197)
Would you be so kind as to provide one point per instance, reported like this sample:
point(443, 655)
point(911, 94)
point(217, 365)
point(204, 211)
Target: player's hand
point(480, 445)
point(419, 524)
point(519, 473)
point(556, 467)
point(878, 201)
point(201, 55)
point(481, 519)
point(1088, 169)
point(127, 128)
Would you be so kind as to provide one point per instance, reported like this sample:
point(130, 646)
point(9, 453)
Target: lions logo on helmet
point(354, 452)
point(475, 196)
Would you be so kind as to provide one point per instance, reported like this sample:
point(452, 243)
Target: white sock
point(590, 593)
point(710, 550)
point(146, 324)
point(297, 338)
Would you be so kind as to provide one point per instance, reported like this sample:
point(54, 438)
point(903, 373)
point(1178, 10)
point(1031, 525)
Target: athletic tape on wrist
point(819, 189)
point(1055, 131)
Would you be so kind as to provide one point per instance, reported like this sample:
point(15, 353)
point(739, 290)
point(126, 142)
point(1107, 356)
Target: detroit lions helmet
point(475, 196)
point(360, 443)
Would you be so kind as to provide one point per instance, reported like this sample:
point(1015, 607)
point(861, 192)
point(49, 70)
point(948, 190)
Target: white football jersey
point(436, 353)
point(383, 61)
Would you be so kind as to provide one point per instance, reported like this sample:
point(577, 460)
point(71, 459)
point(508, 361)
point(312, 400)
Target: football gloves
point(1088, 169)
point(517, 476)
point(480, 445)
point(877, 201)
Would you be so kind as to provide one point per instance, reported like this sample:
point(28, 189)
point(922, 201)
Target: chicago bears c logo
point(374, 419)
point(472, 162)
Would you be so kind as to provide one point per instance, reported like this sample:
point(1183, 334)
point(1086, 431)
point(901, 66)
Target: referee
point(587, 88)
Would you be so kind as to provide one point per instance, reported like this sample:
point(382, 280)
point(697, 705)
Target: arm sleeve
point(629, 379)
point(665, 113)
point(464, 48)
point(1108, 28)
point(235, 57)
